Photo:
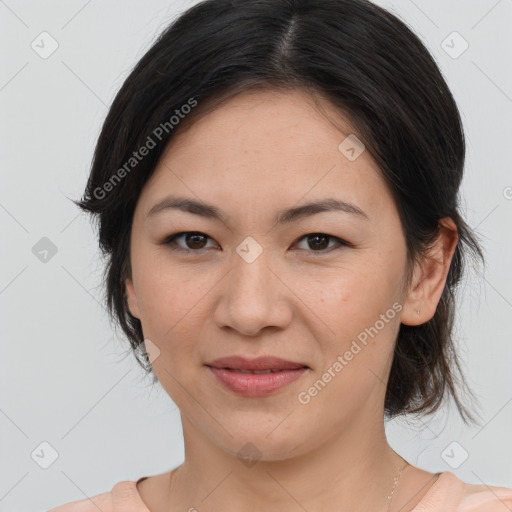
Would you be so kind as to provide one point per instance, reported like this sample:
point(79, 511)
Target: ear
point(131, 297)
point(429, 276)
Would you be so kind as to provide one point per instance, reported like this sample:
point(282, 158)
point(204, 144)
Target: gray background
point(67, 378)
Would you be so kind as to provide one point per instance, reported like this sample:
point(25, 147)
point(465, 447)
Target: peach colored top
point(447, 494)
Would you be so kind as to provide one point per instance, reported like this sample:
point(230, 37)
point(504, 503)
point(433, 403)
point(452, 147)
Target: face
point(321, 288)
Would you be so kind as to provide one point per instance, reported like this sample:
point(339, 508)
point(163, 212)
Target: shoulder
point(450, 493)
point(495, 499)
point(101, 501)
point(122, 498)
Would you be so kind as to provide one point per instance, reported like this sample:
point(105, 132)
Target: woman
point(277, 190)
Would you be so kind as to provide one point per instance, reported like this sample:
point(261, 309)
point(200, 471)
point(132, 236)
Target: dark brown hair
point(373, 69)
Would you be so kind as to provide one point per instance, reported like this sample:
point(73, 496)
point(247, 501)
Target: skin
point(256, 154)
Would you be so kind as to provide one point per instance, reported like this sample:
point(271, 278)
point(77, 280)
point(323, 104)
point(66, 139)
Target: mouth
point(256, 377)
point(259, 365)
point(255, 372)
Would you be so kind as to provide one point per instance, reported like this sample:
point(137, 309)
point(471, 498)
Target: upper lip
point(258, 363)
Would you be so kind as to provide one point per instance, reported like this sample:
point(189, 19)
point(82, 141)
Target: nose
point(254, 297)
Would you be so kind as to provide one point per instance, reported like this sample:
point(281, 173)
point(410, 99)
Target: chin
point(259, 439)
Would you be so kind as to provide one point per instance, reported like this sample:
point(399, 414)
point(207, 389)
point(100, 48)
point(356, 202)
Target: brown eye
point(319, 242)
point(195, 241)
point(190, 241)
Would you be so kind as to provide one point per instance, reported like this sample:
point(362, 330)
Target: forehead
point(263, 149)
point(269, 122)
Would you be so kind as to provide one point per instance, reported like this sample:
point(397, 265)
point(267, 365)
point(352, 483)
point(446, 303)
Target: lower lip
point(256, 384)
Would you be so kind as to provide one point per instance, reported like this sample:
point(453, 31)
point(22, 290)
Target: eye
point(320, 242)
point(195, 241)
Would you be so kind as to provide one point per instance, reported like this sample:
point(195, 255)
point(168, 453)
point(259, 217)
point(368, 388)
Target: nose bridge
point(250, 272)
point(252, 298)
point(250, 284)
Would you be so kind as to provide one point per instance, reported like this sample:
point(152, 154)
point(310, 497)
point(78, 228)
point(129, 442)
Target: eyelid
point(341, 243)
point(168, 240)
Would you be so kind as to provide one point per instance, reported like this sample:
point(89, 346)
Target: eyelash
point(170, 240)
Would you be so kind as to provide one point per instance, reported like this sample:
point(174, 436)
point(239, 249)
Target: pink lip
point(253, 384)
point(227, 371)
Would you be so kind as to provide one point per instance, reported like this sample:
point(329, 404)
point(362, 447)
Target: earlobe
point(131, 298)
point(429, 277)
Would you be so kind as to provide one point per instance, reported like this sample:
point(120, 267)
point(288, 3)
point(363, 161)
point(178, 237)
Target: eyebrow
point(283, 217)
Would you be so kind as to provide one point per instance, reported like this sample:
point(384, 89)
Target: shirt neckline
point(420, 506)
point(417, 508)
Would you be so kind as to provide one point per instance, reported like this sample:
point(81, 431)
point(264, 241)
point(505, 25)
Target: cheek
point(171, 309)
point(353, 368)
point(173, 306)
point(167, 291)
point(356, 294)
point(360, 304)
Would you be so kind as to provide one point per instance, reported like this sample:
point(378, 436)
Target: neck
point(352, 471)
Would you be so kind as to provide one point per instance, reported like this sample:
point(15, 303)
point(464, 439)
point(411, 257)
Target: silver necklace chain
point(388, 501)
point(397, 479)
